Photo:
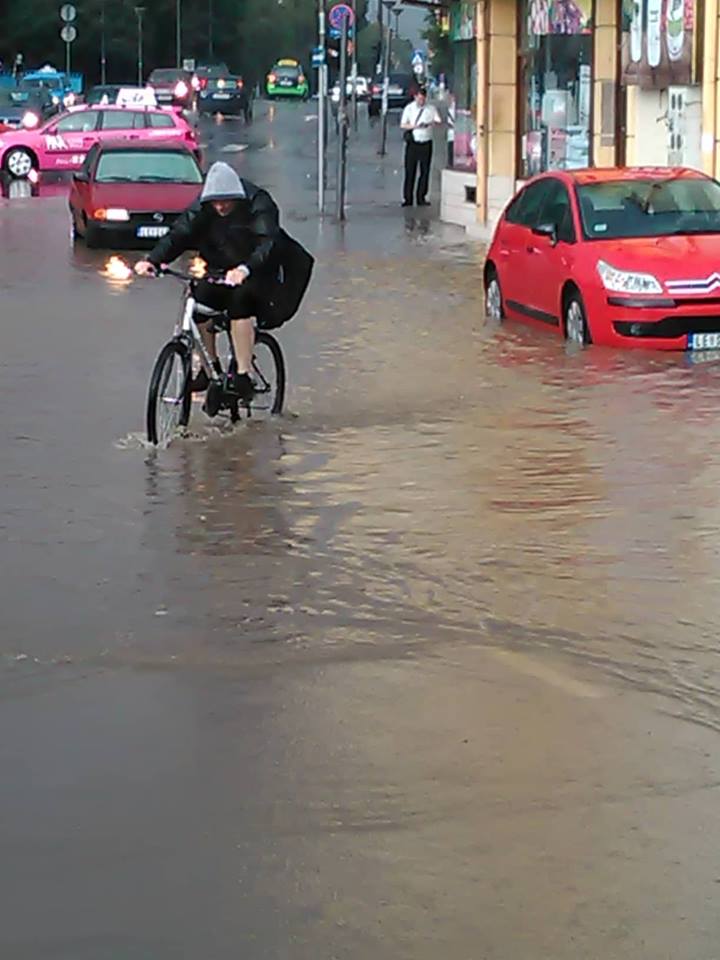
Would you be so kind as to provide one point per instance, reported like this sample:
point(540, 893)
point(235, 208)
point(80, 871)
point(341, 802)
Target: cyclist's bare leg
point(209, 339)
point(243, 337)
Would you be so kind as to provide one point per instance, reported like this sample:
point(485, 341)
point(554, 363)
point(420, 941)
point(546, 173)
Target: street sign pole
point(342, 124)
point(386, 85)
point(322, 89)
point(354, 69)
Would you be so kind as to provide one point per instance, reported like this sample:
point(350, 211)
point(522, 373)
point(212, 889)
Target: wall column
point(501, 106)
point(605, 64)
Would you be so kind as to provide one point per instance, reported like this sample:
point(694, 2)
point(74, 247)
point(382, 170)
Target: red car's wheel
point(493, 297)
point(575, 319)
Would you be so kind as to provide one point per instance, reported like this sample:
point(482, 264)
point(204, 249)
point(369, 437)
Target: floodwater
point(438, 485)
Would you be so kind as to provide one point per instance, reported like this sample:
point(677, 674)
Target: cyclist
point(235, 228)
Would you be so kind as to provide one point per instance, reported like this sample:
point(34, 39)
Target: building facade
point(561, 84)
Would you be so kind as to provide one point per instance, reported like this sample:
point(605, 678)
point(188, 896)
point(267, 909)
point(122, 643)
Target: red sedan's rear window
point(147, 166)
point(649, 208)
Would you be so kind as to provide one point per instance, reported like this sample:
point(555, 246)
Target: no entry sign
point(340, 12)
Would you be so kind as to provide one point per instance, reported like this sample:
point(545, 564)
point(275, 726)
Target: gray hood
point(222, 183)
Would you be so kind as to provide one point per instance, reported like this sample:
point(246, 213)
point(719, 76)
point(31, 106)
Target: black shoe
point(240, 385)
point(201, 382)
point(424, 203)
point(407, 203)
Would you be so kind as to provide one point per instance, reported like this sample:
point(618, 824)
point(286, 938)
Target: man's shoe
point(240, 385)
point(424, 203)
point(407, 203)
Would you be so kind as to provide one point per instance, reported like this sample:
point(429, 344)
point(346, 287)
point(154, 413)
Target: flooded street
point(428, 664)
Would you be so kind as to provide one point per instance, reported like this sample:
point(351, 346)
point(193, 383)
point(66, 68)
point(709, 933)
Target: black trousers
point(417, 155)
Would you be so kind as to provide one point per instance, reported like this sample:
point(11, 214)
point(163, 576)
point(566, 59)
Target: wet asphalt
point(427, 666)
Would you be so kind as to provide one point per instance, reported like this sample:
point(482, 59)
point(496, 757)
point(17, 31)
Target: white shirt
point(413, 114)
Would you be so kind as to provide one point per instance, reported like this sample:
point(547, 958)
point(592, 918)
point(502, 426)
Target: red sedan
point(620, 257)
point(130, 193)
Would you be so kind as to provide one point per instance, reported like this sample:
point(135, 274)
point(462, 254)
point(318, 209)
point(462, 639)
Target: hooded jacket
point(248, 236)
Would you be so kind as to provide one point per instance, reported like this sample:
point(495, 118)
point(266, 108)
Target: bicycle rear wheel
point(268, 374)
point(168, 402)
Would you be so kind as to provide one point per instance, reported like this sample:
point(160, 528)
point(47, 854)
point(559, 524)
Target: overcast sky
point(412, 22)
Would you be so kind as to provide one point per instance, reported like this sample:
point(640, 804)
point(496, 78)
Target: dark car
point(207, 71)
point(401, 90)
point(103, 93)
point(25, 106)
point(172, 87)
point(131, 193)
point(226, 95)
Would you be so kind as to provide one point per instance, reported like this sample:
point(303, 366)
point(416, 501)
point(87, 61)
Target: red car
point(620, 257)
point(173, 87)
point(130, 193)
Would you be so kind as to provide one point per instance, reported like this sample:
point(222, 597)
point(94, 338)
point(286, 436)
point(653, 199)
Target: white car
point(362, 88)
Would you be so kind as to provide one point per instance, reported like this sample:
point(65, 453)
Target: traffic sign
point(67, 13)
point(68, 33)
point(340, 12)
point(318, 57)
point(418, 56)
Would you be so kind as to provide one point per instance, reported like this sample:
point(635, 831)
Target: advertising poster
point(559, 16)
point(658, 43)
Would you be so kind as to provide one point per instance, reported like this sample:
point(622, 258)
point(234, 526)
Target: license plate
point(704, 341)
point(286, 83)
point(164, 97)
point(221, 96)
point(152, 232)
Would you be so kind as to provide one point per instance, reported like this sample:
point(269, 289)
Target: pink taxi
point(62, 143)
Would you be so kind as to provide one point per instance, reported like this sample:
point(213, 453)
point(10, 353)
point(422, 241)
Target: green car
point(287, 79)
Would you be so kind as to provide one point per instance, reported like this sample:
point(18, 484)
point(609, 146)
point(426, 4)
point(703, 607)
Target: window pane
point(526, 209)
point(555, 85)
point(147, 166)
point(81, 122)
point(158, 120)
point(122, 120)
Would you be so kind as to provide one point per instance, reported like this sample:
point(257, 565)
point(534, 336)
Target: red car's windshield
point(649, 208)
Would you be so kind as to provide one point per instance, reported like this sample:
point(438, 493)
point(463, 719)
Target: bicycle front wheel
point(168, 403)
point(268, 374)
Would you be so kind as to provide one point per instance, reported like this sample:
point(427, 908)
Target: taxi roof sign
point(136, 97)
point(288, 63)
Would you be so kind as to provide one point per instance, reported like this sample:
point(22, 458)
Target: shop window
point(555, 85)
point(462, 141)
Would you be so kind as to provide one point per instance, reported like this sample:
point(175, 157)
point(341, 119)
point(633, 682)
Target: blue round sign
point(340, 12)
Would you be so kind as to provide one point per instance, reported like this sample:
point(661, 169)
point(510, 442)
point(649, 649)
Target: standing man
point(417, 122)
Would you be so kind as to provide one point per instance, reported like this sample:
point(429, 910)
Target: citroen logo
point(158, 217)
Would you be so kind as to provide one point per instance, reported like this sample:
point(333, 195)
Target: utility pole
point(103, 59)
point(322, 114)
point(386, 85)
point(211, 45)
point(178, 33)
point(342, 124)
point(139, 11)
point(354, 69)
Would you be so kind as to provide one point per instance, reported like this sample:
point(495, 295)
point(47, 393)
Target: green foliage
point(249, 35)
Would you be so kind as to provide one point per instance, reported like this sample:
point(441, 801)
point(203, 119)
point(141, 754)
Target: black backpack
point(294, 269)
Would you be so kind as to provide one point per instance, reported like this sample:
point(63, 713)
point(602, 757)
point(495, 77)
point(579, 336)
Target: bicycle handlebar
point(165, 271)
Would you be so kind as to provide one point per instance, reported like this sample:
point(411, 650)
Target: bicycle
point(169, 399)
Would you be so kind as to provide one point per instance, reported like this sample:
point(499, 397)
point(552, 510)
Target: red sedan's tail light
point(203, 82)
point(240, 84)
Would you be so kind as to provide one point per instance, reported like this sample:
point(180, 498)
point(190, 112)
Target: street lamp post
point(178, 33)
point(139, 11)
point(211, 51)
point(103, 60)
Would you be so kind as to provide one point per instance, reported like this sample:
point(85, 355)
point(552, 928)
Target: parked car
point(25, 106)
point(131, 193)
point(401, 90)
point(620, 257)
point(63, 142)
point(287, 79)
point(226, 95)
point(173, 87)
